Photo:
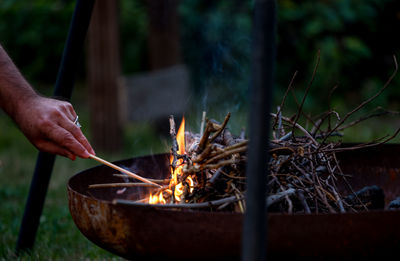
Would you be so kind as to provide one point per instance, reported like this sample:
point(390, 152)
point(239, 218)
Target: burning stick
point(175, 146)
point(127, 172)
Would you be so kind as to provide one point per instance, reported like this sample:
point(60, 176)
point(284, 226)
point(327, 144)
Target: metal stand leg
point(254, 227)
point(63, 88)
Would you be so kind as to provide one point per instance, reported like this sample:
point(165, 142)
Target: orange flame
point(180, 137)
point(175, 187)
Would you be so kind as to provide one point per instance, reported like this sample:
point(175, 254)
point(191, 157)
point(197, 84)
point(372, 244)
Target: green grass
point(57, 238)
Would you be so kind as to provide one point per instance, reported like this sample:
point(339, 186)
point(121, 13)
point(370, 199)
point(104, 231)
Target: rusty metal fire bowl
point(150, 232)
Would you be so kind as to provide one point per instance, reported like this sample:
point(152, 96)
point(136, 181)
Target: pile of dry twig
point(303, 165)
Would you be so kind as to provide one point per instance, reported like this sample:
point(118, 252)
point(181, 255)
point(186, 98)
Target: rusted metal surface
point(136, 232)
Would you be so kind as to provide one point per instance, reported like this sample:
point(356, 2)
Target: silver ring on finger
point(76, 122)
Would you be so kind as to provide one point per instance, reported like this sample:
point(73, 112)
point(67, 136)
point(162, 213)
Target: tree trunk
point(164, 40)
point(103, 77)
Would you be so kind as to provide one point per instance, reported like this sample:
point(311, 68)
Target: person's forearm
point(14, 89)
point(47, 123)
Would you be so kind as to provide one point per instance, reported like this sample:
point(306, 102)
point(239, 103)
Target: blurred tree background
point(357, 40)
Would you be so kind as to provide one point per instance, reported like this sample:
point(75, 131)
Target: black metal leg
point(63, 89)
point(263, 64)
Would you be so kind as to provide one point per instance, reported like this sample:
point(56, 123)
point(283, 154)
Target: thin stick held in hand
point(114, 185)
point(127, 172)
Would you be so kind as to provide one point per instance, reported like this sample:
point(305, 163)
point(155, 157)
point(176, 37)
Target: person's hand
point(49, 125)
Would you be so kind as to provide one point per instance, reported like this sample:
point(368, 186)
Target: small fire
point(175, 187)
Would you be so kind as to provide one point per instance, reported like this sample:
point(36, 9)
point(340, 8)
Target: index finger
point(65, 139)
